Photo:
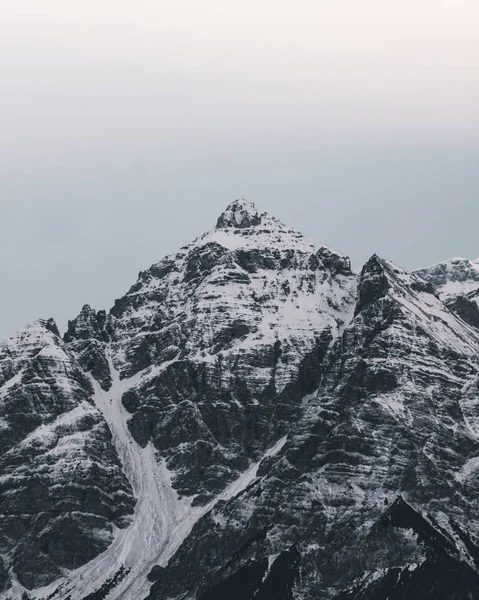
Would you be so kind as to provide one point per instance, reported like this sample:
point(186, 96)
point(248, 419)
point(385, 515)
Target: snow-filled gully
point(161, 520)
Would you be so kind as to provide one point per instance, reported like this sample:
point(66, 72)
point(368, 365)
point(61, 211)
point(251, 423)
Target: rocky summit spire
point(242, 226)
point(240, 214)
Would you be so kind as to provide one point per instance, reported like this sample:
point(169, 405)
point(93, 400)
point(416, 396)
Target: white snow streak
point(471, 467)
point(161, 521)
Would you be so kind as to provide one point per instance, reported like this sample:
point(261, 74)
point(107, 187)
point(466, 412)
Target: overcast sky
point(127, 127)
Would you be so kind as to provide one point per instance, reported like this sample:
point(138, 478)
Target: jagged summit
point(240, 214)
point(243, 227)
point(24, 344)
point(29, 340)
point(416, 298)
point(89, 324)
point(252, 275)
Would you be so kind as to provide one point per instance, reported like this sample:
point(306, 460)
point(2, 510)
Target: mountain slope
point(387, 421)
point(62, 489)
point(454, 277)
point(251, 420)
point(218, 334)
point(456, 282)
point(214, 348)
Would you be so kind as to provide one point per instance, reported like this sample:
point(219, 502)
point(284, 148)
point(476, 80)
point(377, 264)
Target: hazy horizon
point(127, 130)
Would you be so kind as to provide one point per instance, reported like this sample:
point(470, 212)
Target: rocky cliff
point(252, 420)
point(62, 487)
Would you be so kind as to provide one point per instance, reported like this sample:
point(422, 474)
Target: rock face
point(452, 278)
point(467, 307)
point(86, 338)
point(456, 282)
point(227, 336)
point(378, 478)
point(62, 488)
point(287, 429)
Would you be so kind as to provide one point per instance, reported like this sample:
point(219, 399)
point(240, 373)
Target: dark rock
point(59, 497)
point(465, 308)
point(373, 283)
point(379, 424)
point(241, 214)
point(86, 337)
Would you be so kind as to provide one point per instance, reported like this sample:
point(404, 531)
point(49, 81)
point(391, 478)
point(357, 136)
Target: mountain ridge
point(262, 411)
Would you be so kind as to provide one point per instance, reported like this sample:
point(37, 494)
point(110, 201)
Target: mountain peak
point(452, 277)
point(243, 226)
point(240, 214)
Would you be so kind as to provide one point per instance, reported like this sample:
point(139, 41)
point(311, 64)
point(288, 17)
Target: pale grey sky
point(128, 126)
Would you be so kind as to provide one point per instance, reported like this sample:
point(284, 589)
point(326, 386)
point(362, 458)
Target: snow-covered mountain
point(454, 277)
point(456, 281)
point(63, 492)
point(251, 420)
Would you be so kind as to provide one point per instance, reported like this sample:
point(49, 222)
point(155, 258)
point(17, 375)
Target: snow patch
point(469, 468)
